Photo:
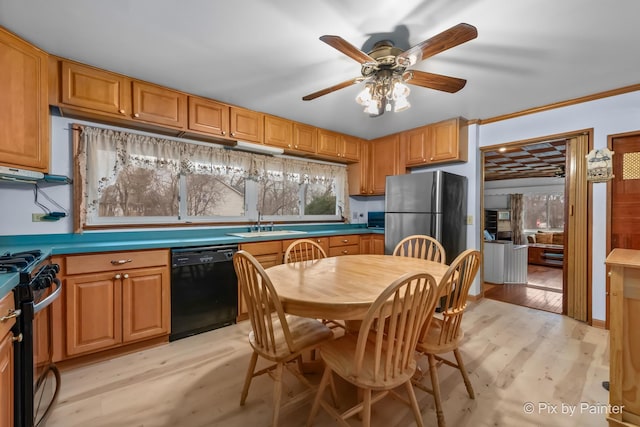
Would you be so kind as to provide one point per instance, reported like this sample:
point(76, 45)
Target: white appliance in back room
point(431, 203)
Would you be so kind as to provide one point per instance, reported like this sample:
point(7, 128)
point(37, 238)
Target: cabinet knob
point(289, 145)
point(296, 145)
point(370, 191)
point(17, 338)
point(232, 134)
point(609, 274)
point(339, 154)
point(431, 158)
point(345, 240)
point(136, 115)
point(317, 240)
point(121, 111)
point(117, 276)
point(125, 275)
point(345, 252)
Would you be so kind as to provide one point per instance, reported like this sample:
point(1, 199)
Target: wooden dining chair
point(278, 337)
point(303, 250)
point(444, 333)
point(382, 356)
point(421, 246)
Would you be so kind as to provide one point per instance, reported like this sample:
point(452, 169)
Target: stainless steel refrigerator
point(431, 203)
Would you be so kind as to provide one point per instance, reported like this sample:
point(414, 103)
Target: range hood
point(15, 174)
point(257, 148)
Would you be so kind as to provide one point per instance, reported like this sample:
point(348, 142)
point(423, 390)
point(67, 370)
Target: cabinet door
point(444, 141)
point(384, 162)
point(278, 132)
point(24, 108)
point(145, 303)
point(94, 89)
point(208, 117)
point(359, 174)
point(377, 244)
point(304, 138)
point(94, 312)
point(416, 143)
point(159, 105)
point(6, 380)
point(365, 244)
point(329, 143)
point(246, 125)
point(268, 254)
point(351, 148)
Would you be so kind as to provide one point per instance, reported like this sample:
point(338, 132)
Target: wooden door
point(24, 104)
point(96, 90)
point(94, 312)
point(624, 196)
point(278, 132)
point(145, 303)
point(304, 138)
point(159, 105)
point(246, 125)
point(6, 380)
point(208, 117)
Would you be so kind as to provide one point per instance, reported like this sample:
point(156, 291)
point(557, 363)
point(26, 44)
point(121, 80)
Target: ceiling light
point(257, 148)
point(384, 91)
point(502, 149)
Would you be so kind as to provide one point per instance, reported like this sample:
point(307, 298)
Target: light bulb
point(364, 97)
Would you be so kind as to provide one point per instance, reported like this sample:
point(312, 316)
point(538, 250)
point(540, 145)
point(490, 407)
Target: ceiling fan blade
point(447, 39)
point(434, 81)
point(347, 48)
point(333, 88)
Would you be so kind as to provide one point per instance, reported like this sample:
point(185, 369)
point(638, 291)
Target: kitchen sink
point(266, 233)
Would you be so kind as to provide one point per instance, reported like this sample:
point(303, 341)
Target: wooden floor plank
point(514, 355)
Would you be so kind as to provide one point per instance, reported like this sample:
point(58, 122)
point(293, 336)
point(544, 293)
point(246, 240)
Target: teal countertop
point(62, 244)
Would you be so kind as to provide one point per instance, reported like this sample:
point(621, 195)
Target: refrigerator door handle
point(436, 226)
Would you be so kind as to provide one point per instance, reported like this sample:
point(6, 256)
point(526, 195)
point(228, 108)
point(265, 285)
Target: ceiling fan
point(385, 69)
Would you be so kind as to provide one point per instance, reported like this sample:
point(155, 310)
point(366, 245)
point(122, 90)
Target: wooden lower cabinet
point(344, 245)
point(6, 361)
point(624, 336)
point(372, 244)
point(268, 254)
point(125, 304)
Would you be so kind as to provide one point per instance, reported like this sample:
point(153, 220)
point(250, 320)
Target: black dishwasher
point(204, 290)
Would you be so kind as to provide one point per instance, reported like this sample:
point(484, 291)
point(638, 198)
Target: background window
point(543, 211)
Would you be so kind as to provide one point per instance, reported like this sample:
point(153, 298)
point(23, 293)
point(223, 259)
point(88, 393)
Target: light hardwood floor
point(514, 354)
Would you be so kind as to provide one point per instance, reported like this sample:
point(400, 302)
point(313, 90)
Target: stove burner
point(6, 268)
point(18, 261)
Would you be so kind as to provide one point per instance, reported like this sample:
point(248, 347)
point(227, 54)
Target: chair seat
point(429, 343)
point(305, 333)
point(338, 354)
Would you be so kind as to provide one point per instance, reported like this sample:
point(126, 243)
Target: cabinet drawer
point(80, 264)
point(322, 241)
point(6, 308)
point(353, 239)
point(344, 250)
point(262, 248)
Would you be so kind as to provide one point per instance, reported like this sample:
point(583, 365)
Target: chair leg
point(414, 404)
point(463, 371)
point(366, 408)
point(326, 377)
point(247, 380)
point(435, 385)
point(277, 393)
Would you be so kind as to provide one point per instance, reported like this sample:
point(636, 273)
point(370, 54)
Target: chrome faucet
point(258, 222)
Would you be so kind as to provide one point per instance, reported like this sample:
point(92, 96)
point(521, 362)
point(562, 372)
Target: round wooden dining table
point(342, 287)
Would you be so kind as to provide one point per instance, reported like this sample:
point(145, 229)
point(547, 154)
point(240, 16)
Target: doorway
point(558, 277)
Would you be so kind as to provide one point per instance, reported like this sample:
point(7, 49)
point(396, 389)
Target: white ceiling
point(265, 54)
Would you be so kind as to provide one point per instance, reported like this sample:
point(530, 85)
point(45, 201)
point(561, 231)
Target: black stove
point(36, 380)
point(19, 261)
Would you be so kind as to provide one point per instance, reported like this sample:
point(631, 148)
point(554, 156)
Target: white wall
point(606, 116)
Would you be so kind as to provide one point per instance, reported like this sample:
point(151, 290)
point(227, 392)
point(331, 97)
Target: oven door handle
point(48, 300)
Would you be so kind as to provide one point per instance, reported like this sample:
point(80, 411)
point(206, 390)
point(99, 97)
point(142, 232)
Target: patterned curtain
point(517, 227)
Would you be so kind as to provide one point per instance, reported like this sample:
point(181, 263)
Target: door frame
point(610, 139)
point(579, 175)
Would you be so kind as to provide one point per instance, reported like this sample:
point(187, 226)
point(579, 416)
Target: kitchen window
point(133, 178)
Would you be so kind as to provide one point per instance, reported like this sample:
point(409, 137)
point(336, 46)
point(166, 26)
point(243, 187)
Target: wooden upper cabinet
point(341, 147)
point(278, 132)
point(87, 87)
point(359, 174)
point(448, 141)
point(208, 117)
point(159, 105)
point(24, 108)
point(441, 142)
point(246, 125)
point(351, 148)
point(305, 138)
point(384, 161)
point(416, 145)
